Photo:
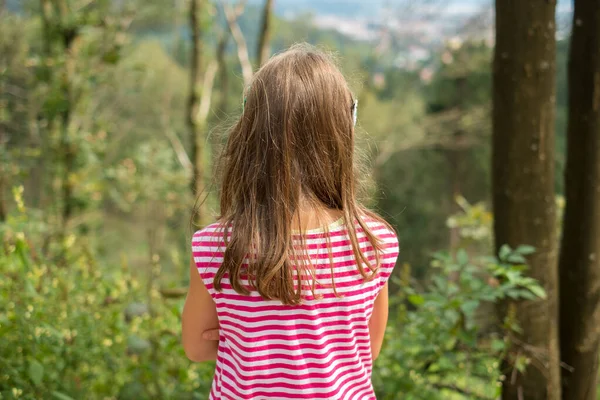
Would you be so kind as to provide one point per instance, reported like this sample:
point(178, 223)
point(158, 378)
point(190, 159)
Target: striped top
point(317, 350)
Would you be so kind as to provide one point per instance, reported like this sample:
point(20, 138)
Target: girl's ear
point(355, 111)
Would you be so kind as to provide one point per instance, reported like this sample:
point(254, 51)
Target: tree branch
point(207, 90)
point(242, 48)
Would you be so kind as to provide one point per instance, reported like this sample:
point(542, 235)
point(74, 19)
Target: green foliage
point(86, 331)
point(442, 343)
point(94, 326)
point(94, 331)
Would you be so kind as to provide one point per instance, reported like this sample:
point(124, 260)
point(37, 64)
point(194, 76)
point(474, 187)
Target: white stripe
point(218, 258)
point(201, 236)
point(339, 301)
point(321, 341)
point(338, 319)
point(355, 310)
point(362, 346)
point(360, 352)
point(334, 380)
point(290, 337)
point(327, 364)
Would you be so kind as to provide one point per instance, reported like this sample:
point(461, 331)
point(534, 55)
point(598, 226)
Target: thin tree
point(60, 34)
point(193, 104)
point(198, 107)
point(263, 52)
point(580, 248)
point(523, 183)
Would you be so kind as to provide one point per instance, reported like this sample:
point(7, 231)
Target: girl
point(294, 274)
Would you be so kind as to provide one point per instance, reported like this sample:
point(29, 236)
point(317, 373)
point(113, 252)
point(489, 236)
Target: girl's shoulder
point(378, 226)
point(209, 235)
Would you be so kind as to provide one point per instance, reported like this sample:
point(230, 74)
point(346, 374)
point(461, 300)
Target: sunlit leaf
point(36, 372)
point(525, 250)
point(538, 291)
point(61, 396)
point(504, 252)
point(416, 299)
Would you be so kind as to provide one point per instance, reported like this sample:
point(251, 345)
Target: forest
point(485, 157)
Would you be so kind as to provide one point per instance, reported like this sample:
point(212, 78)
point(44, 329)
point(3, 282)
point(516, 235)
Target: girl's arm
point(199, 315)
point(378, 321)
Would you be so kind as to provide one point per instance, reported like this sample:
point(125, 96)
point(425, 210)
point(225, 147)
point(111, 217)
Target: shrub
point(443, 342)
point(87, 331)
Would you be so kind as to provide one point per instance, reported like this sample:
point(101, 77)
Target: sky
point(357, 8)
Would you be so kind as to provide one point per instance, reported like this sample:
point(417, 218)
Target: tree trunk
point(3, 185)
point(455, 156)
point(523, 182)
point(67, 148)
point(196, 139)
point(263, 52)
point(580, 248)
point(223, 76)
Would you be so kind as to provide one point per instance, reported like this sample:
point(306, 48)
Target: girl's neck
point(311, 218)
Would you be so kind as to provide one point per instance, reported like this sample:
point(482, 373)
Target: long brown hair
point(293, 145)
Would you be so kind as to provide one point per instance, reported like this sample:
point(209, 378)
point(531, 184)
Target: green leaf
point(442, 256)
point(521, 363)
point(526, 295)
point(61, 396)
point(416, 299)
point(513, 294)
point(469, 307)
point(504, 252)
point(516, 259)
point(36, 372)
point(538, 291)
point(498, 345)
point(462, 257)
point(513, 276)
point(525, 250)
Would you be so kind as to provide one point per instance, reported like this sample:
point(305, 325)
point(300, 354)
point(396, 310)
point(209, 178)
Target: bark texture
point(264, 51)
point(580, 247)
point(193, 106)
point(523, 182)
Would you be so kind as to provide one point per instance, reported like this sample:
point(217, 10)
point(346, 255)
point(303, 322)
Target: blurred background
point(112, 114)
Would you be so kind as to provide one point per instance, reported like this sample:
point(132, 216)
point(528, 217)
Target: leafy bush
point(445, 342)
point(75, 329)
point(86, 331)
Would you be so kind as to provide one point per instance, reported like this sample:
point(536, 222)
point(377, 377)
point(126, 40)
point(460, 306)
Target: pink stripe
point(286, 351)
point(251, 375)
point(321, 343)
point(338, 264)
point(257, 299)
point(212, 244)
point(209, 269)
point(375, 230)
point(283, 385)
point(345, 314)
point(296, 368)
point(363, 351)
point(320, 285)
point(235, 338)
point(321, 256)
point(355, 323)
point(280, 307)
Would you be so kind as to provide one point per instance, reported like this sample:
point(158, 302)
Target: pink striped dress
point(317, 350)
